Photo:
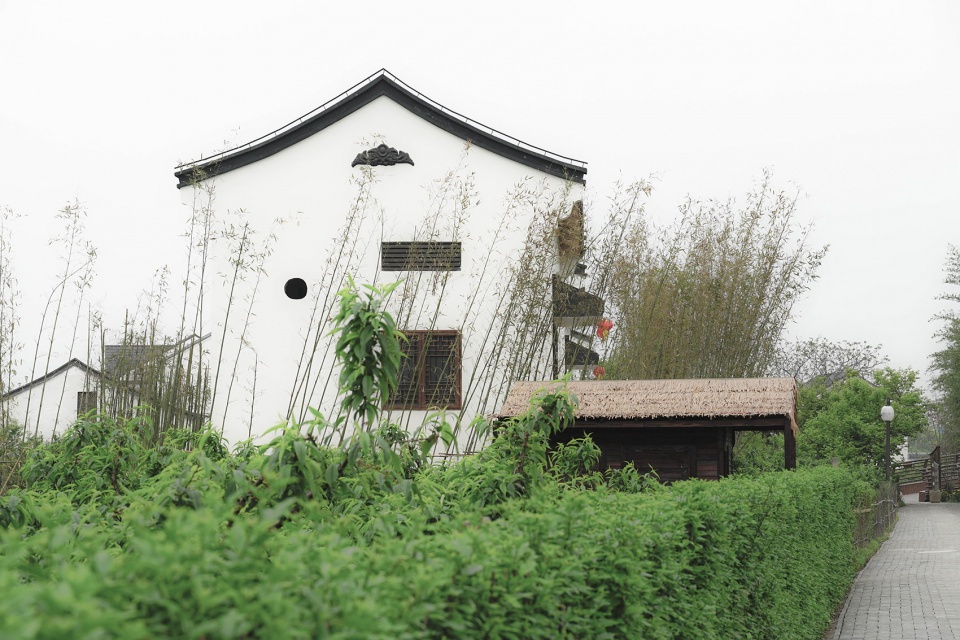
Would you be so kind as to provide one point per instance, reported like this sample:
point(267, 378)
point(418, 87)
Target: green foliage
point(289, 541)
point(950, 496)
point(769, 557)
point(627, 479)
point(932, 437)
point(368, 348)
point(843, 420)
point(574, 459)
point(515, 463)
point(864, 554)
point(946, 361)
point(96, 455)
point(14, 449)
point(120, 538)
point(711, 296)
point(757, 452)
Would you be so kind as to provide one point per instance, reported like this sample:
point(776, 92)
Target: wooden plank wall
point(674, 453)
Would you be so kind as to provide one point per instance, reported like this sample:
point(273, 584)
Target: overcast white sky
point(858, 103)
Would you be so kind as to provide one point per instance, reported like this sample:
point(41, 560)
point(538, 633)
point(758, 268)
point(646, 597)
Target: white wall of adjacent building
point(49, 408)
point(320, 219)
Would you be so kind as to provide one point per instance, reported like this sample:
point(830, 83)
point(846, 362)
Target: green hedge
point(125, 533)
point(763, 558)
point(768, 557)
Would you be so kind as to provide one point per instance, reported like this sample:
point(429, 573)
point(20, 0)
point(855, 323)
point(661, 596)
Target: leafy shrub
point(119, 538)
point(766, 557)
point(15, 446)
point(950, 496)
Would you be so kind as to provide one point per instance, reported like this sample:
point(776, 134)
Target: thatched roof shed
point(650, 421)
point(670, 399)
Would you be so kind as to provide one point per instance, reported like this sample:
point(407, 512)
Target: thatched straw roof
point(653, 399)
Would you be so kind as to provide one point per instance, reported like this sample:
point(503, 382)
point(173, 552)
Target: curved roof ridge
point(289, 125)
point(383, 82)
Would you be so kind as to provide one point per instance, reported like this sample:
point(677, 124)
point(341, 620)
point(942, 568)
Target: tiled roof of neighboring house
point(53, 374)
point(384, 83)
point(651, 399)
point(119, 359)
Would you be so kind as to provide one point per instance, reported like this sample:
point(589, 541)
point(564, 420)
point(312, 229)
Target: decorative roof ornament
point(382, 156)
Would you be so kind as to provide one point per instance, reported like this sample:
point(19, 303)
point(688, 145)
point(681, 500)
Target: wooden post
point(554, 339)
point(935, 463)
point(789, 446)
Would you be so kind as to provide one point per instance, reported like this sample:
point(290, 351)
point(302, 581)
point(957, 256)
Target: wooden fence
point(950, 472)
point(936, 471)
point(876, 517)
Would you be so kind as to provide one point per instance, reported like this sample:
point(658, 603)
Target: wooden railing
point(936, 471)
point(874, 518)
point(950, 472)
point(913, 471)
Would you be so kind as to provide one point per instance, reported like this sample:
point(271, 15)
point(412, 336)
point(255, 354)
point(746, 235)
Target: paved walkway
point(911, 588)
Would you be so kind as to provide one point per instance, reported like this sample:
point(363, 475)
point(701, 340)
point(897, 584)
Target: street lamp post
point(886, 414)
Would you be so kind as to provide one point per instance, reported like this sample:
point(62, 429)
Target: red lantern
point(603, 329)
point(599, 372)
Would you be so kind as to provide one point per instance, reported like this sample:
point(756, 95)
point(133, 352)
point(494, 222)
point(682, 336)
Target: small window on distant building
point(86, 402)
point(420, 256)
point(430, 372)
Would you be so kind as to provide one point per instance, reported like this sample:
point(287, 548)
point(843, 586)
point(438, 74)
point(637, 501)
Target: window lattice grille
point(420, 256)
point(86, 401)
point(430, 372)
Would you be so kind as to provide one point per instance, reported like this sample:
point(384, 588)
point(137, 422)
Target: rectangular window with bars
point(420, 256)
point(430, 372)
point(86, 402)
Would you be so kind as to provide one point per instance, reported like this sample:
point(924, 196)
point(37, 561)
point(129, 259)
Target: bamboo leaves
point(710, 296)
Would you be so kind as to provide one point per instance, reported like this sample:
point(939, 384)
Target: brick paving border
point(909, 590)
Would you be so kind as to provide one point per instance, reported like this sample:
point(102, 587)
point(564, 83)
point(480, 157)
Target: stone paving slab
point(911, 588)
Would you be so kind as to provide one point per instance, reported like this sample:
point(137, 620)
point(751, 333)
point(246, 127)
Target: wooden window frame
point(419, 341)
point(84, 405)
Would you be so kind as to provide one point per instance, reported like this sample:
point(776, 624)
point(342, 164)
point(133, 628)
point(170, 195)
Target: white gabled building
point(381, 183)
point(50, 404)
point(129, 378)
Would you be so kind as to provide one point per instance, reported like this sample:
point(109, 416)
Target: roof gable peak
point(382, 83)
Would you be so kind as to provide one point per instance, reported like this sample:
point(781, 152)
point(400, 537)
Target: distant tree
point(946, 362)
point(843, 420)
point(710, 296)
point(922, 444)
point(819, 358)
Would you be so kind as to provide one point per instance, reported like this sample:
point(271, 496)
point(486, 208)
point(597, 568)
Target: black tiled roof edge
point(384, 83)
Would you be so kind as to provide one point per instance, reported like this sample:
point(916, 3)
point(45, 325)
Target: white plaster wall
point(51, 408)
point(312, 186)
